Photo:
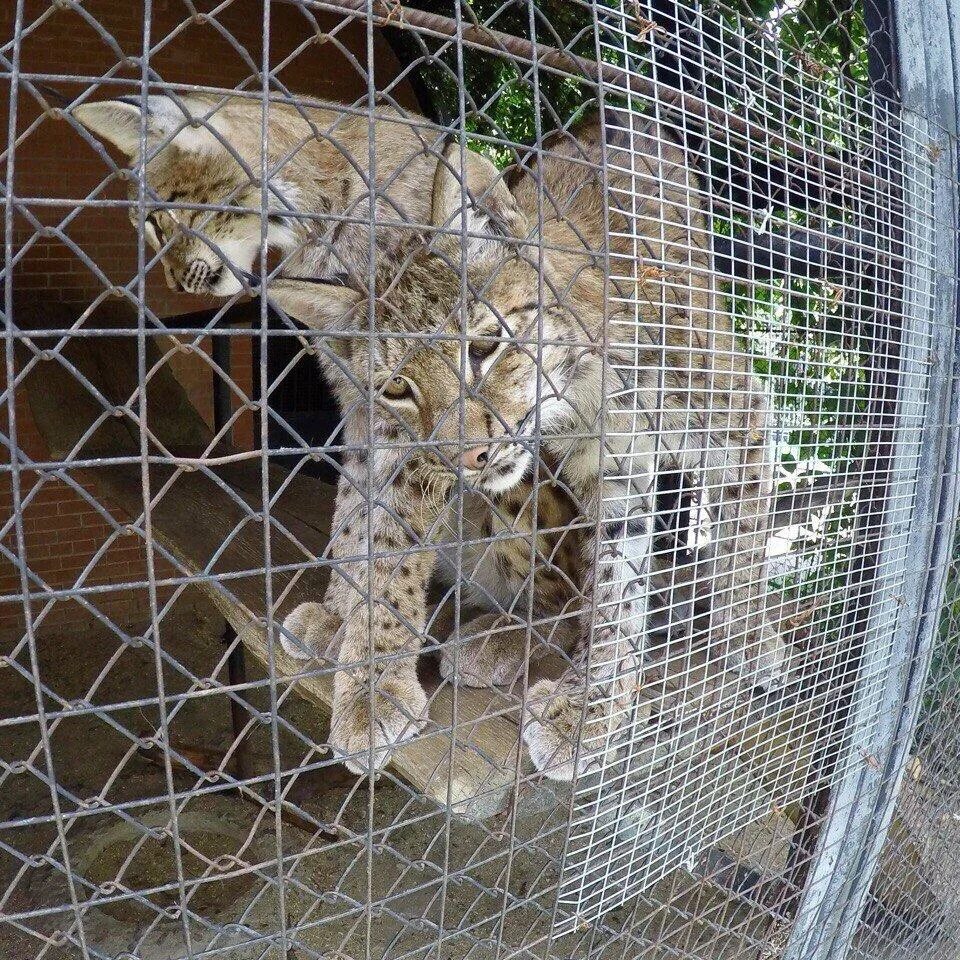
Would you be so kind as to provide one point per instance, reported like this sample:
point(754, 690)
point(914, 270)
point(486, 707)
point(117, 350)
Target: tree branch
point(793, 252)
point(815, 168)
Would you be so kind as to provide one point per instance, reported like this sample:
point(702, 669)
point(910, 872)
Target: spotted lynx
point(203, 153)
point(410, 523)
point(203, 174)
point(680, 397)
point(563, 334)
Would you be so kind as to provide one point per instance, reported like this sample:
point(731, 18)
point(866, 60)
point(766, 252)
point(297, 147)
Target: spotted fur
point(204, 153)
point(417, 387)
point(562, 356)
point(649, 362)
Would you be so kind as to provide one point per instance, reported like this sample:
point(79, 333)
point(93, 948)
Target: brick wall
point(62, 48)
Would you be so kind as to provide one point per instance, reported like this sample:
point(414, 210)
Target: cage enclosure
point(480, 479)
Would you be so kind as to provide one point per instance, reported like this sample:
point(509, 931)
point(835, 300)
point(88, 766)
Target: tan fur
point(683, 399)
point(566, 335)
point(521, 558)
point(404, 461)
point(204, 151)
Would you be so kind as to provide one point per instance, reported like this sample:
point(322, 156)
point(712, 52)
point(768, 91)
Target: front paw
point(489, 653)
point(365, 730)
point(562, 739)
point(307, 631)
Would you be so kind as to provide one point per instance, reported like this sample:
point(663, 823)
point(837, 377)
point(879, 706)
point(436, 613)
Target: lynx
point(681, 397)
point(203, 176)
point(574, 321)
point(204, 154)
point(411, 525)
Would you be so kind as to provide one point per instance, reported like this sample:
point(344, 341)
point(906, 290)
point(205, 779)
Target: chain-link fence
point(480, 480)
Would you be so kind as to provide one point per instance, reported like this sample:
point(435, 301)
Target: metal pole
point(884, 710)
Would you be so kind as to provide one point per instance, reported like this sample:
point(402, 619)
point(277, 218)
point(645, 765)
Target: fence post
point(884, 713)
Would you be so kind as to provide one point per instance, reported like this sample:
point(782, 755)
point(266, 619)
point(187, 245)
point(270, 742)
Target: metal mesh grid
point(685, 783)
point(704, 634)
point(911, 908)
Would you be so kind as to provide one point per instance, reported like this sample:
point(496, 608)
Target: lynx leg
point(378, 700)
point(492, 649)
point(595, 703)
point(559, 747)
point(368, 726)
point(308, 631)
point(739, 624)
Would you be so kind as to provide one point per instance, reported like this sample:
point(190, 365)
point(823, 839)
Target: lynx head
point(203, 196)
point(464, 354)
point(538, 281)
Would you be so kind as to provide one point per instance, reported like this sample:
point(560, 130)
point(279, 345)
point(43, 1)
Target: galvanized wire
point(158, 802)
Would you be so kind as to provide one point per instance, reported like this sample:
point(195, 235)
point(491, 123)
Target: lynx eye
point(481, 349)
point(397, 388)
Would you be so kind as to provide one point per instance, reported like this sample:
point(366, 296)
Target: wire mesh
point(911, 908)
point(634, 822)
point(468, 514)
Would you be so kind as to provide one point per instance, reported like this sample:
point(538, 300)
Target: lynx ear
point(119, 122)
point(318, 304)
point(480, 190)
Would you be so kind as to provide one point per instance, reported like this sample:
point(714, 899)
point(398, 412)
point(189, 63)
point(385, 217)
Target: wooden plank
point(469, 755)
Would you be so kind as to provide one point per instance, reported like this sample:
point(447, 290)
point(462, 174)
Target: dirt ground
point(440, 888)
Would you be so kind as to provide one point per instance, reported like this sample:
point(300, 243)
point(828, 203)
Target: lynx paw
point(307, 630)
point(489, 654)
point(553, 729)
point(361, 730)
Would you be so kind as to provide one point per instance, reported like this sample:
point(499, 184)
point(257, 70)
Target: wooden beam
point(469, 756)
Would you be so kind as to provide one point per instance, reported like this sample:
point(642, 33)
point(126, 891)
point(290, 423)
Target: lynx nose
point(475, 458)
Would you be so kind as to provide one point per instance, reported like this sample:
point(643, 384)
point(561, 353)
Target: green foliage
point(833, 37)
point(499, 96)
point(817, 375)
point(825, 39)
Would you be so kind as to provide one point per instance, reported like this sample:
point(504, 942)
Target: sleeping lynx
point(682, 401)
point(203, 168)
